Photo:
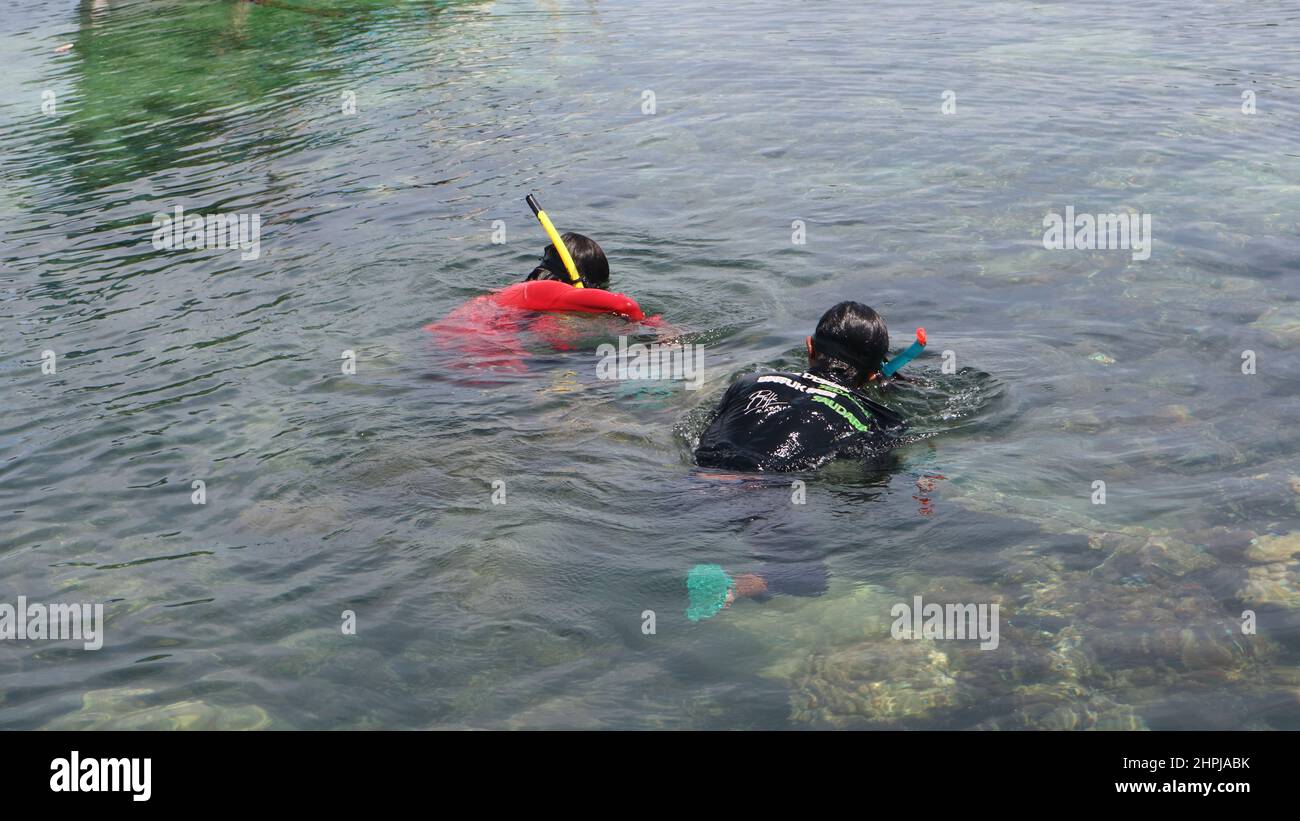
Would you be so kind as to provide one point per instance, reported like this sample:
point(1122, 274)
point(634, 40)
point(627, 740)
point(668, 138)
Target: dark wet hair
point(849, 344)
point(588, 258)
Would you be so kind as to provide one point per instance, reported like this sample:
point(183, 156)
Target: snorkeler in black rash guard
point(798, 421)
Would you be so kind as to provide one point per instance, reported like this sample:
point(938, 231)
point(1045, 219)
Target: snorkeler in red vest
point(547, 287)
point(573, 279)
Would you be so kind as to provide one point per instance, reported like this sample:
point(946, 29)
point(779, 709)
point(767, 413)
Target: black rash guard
point(789, 422)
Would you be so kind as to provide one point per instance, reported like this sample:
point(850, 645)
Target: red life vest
point(486, 329)
point(552, 295)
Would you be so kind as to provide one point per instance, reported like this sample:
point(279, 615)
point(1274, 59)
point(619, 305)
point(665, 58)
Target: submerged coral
point(874, 683)
point(1089, 640)
point(127, 709)
point(1272, 579)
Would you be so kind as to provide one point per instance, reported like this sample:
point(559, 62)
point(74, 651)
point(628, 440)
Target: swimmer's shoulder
point(742, 384)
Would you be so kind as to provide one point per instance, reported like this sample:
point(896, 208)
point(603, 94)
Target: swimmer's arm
point(664, 333)
point(749, 585)
point(801, 579)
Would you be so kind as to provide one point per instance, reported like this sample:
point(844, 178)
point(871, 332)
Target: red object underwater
point(487, 328)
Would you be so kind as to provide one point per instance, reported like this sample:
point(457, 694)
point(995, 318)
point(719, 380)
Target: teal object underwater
point(708, 585)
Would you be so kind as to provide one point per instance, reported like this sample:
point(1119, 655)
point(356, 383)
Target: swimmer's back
point(790, 422)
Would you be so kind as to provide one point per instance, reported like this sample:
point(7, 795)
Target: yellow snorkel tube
point(560, 247)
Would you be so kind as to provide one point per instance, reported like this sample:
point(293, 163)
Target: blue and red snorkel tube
point(892, 367)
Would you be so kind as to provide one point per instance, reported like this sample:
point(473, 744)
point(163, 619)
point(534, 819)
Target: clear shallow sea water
point(371, 492)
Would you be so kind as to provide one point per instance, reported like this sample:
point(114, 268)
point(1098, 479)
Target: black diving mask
point(551, 263)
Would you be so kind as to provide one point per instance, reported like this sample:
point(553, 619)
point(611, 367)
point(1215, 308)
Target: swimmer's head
point(588, 258)
point(849, 344)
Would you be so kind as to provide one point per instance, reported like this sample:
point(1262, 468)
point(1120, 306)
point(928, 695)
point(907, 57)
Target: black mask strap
point(831, 348)
point(552, 264)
